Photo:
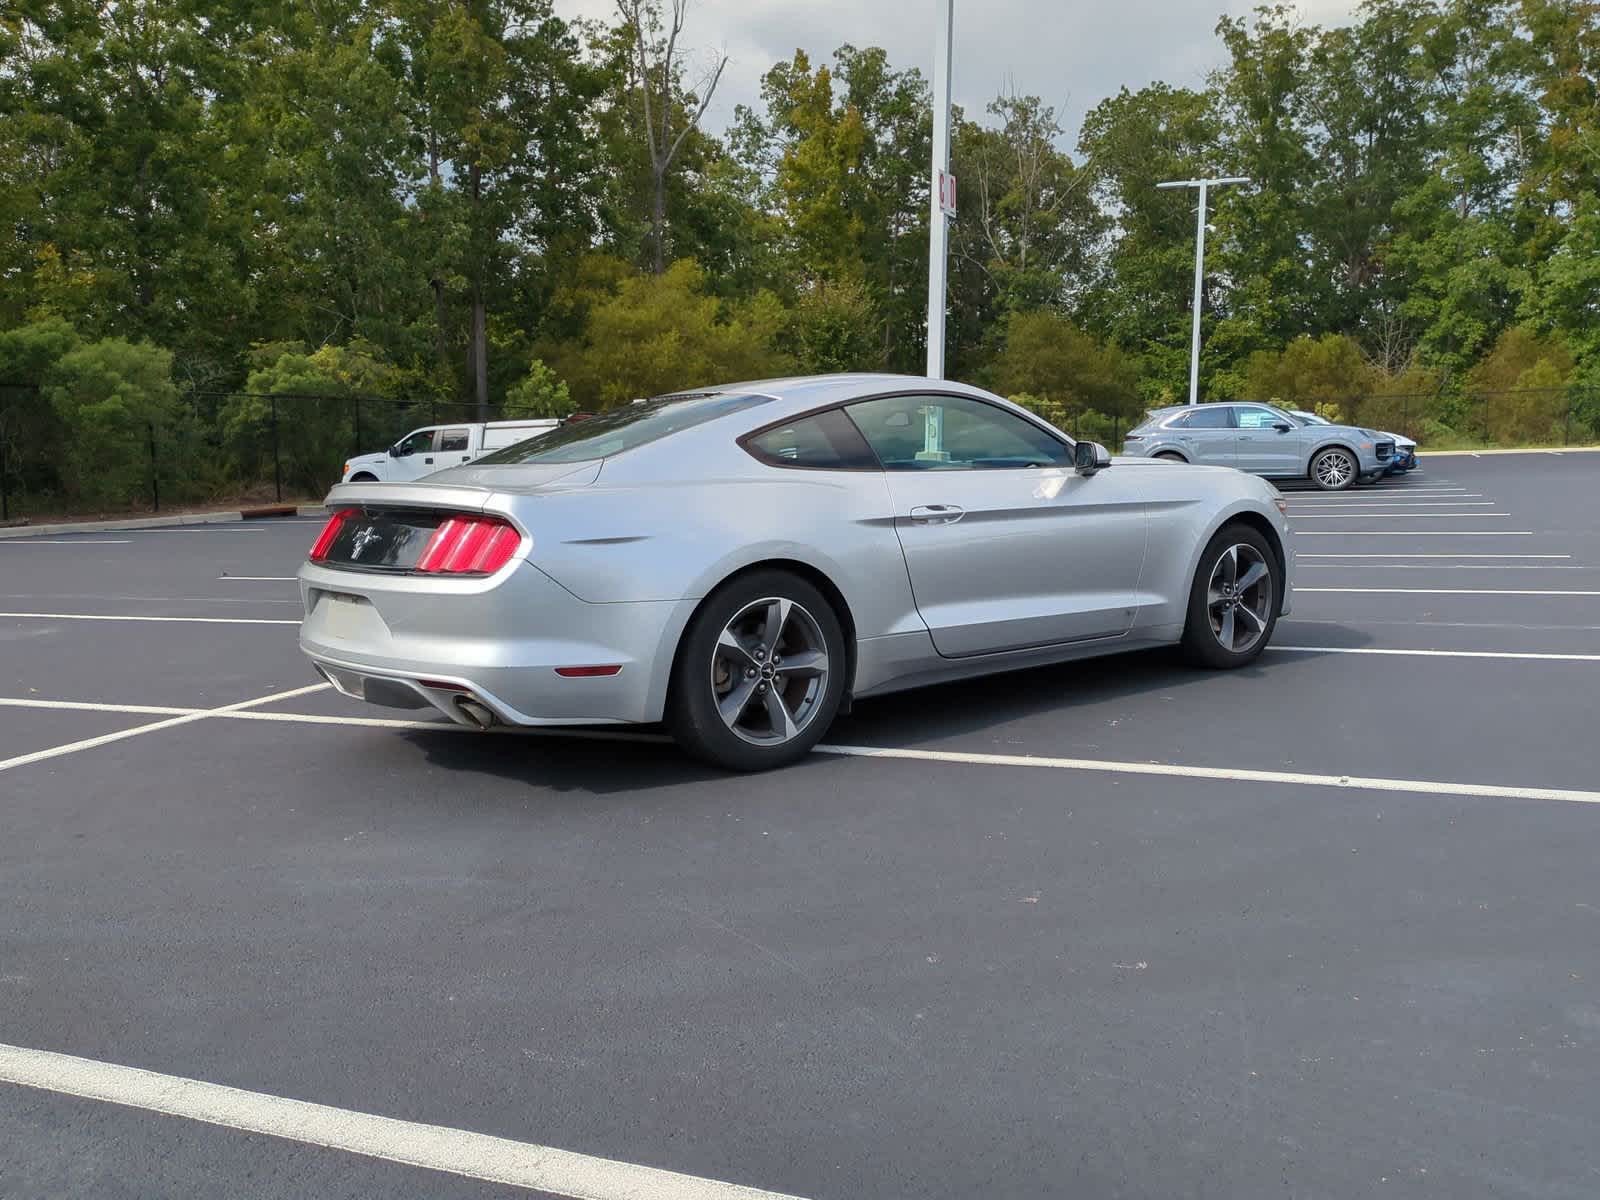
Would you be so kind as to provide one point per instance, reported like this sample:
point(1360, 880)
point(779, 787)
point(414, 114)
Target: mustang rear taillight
point(469, 546)
point(319, 548)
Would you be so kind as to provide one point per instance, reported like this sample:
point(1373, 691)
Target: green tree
point(1063, 369)
point(539, 393)
point(664, 333)
point(114, 398)
point(1322, 373)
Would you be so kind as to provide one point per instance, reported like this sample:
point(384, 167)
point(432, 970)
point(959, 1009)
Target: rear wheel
point(760, 673)
point(1334, 469)
point(363, 477)
point(1233, 601)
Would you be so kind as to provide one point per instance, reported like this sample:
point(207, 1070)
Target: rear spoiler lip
point(408, 495)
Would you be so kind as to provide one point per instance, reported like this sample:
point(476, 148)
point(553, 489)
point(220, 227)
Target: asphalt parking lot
point(1326, 927)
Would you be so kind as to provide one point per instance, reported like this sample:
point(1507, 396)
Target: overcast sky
point(1073, 53)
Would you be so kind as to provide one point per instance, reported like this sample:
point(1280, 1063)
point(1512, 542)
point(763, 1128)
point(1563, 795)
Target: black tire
point(1324, 470)
point(1203, 644)
point(1171, 456)
point(363, 477)
point(704, 666)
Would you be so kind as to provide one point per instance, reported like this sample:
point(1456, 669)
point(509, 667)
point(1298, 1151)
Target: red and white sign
point(947, 193)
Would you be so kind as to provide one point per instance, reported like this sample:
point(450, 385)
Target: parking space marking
point(1447, 501)
point(1405, 516)
point(1236, 774)
point(147, 710)
point(1332, 555)
point(27, 541)
point(1400, 591)
point(260, 578)
point(410, 1143)
point(180, 620)
point(224, 527)
point(1443, 567)
point(1413, 533)
point(23, 760)
point(1533, 655)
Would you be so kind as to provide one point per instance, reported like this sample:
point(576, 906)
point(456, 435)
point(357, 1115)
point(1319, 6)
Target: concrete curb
point(221, 518)
point(1424, 453)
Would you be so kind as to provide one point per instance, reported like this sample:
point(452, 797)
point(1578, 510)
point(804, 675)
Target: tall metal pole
point(938, 232)
point(1199, 270)
point(1199, 285)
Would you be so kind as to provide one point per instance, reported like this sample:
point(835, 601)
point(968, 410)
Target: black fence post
point(1566, 436)
point(356, 401)
point(277, 465)
point(433, 406)
point(5, 488)
point(155, 475)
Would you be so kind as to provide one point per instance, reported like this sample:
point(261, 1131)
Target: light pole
point(938, 239)
point(1199, 268)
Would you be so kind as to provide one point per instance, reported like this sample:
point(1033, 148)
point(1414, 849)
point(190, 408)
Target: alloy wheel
point(1239, 598)
point(769, 671)
point(1334, 470)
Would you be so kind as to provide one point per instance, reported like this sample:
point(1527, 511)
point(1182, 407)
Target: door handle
point(466, 458)
point(937, 514)
point(429, 461)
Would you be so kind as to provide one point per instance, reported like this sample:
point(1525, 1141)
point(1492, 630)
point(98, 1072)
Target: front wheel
point(1334, 470)
point(1233, 601)
point(760, 673)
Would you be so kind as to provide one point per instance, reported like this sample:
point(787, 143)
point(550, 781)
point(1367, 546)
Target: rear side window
point(1210, 416)
point(824, 441)
point(453, 439)
point(622, 429)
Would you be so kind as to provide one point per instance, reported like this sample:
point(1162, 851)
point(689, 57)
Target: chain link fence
point(210, 448)
point(214, 448)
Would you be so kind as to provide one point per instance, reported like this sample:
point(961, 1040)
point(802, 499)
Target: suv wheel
point(1334, 469)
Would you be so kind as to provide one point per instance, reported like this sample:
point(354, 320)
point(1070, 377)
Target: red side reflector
point(324, 542)
point(588, 672)
point(469, 546)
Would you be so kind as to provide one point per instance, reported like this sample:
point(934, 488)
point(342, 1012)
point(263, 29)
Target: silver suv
point(1263, 440)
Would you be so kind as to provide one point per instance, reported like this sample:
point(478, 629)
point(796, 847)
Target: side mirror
point(1090, 457)
point(1282, 426)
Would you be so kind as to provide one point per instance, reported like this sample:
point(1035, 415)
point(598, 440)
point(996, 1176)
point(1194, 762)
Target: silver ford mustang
point(744, 561)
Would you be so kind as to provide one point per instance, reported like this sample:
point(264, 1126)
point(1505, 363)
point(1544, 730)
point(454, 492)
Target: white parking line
point(1174, 770)
point(38, 616)
point(1414, 533)
point(411, 1143)
point(1530, 655)
point(23, 760)
point(1442, 567)
point(1399, 591)
point(1470, 500)
point(26, 541)
point(1405, 516)
point(1331, 555)
point(227, 527)
point(259, 578)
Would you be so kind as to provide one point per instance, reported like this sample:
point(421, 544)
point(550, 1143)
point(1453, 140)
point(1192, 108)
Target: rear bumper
point(384, 639)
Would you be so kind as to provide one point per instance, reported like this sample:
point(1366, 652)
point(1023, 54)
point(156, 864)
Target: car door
point(454, 447)
point(1266, 447)
point(1006, 546)
point(412, 456)
point(1208, 436)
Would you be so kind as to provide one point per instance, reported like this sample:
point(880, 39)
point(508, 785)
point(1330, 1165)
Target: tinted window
point(827, 440)
point(622, 429)
point(1262, 418)
point(1178, 421)
point(910, 433)
point(1210, 416)
point(452, 439)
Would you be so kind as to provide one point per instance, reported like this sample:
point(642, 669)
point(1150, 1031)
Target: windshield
point(621, 429)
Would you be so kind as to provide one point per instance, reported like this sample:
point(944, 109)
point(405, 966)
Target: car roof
point(796, 393)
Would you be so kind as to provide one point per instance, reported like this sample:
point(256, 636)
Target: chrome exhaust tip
point(479, 714)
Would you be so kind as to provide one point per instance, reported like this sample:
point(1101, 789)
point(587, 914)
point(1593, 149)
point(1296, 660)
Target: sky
point(1071, 53)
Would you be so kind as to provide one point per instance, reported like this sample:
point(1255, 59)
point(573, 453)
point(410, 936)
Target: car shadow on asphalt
point(943, 711)
point(600, 761)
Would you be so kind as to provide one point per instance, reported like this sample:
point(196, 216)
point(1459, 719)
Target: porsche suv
point(1262, 440)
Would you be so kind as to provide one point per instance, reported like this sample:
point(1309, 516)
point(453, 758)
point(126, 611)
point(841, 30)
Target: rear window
point(621, 429)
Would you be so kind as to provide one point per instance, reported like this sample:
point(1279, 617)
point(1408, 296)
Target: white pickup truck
point(435, 447)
